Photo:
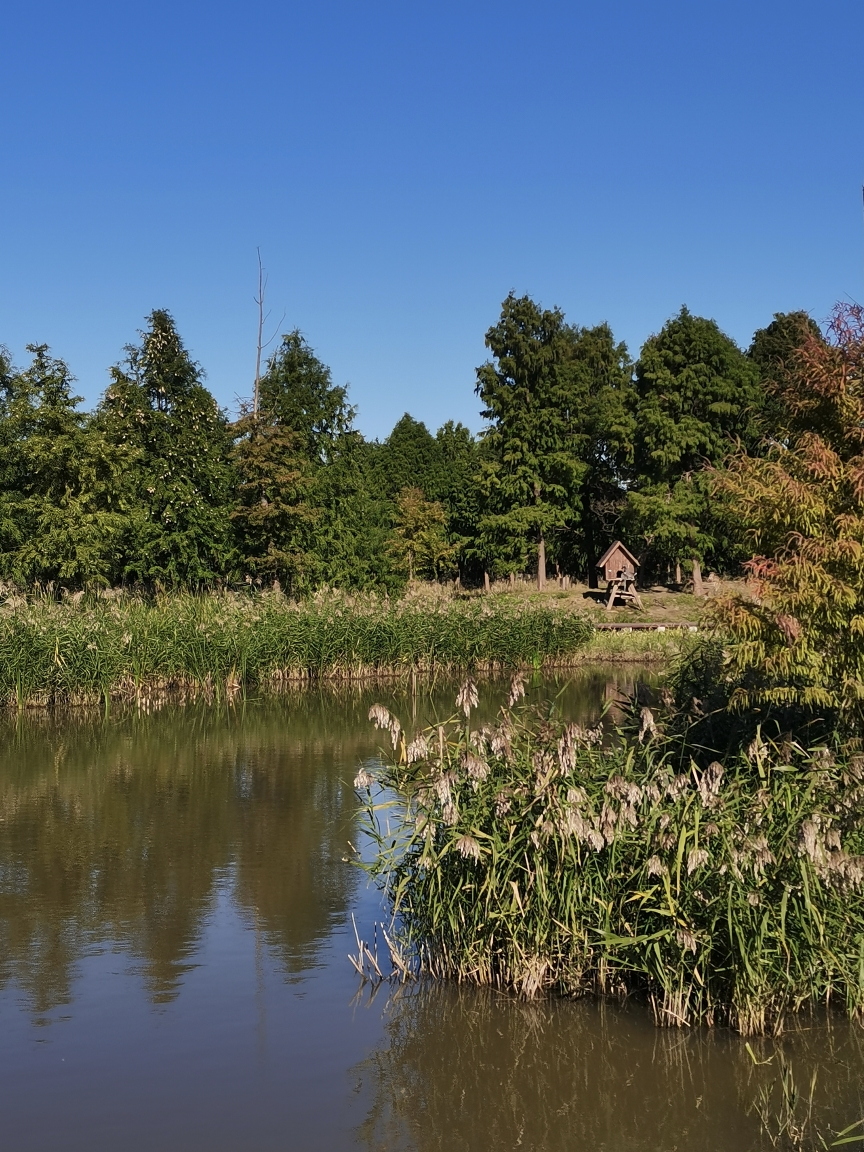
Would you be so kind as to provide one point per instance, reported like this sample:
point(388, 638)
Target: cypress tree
point(158, 407)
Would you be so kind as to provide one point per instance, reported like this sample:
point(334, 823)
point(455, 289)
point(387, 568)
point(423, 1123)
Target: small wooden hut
point(618, 567)
point(617, 562)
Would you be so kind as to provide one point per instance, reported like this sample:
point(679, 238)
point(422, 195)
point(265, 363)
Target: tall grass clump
point(100, 647)
point(532, 855)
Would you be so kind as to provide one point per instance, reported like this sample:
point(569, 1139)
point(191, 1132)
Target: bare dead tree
point(262, 320)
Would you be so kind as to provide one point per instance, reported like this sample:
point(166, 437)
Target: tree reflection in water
point(119, 832)
point(465, 1070)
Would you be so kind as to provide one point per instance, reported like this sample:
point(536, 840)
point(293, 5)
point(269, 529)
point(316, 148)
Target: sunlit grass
point(75, 651)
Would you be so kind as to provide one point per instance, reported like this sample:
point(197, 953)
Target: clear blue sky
point(404, 165)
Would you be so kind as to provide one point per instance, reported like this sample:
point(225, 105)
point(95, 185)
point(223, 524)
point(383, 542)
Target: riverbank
point(119, 646)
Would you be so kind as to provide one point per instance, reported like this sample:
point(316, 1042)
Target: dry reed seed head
point(467, 697)
point(468, 847)
point(501, 742)
point(379, 716)
point(709, 783)
point(476, 768)
point(687, 940)
point(418, 749)
point(647, 724)
point(450, 813)
point(503, 803)
point(832, 864)
point(676, 788)
point(364, 779)
point(517, 689)
point(443, 786)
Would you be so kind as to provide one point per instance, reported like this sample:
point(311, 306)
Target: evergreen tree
point(298, 392)
point(459, 493)
point(332, 524)
point(272, 517)
point(420, 537)
point(157, 406)
point(603, 372)
point(410, 457)
point(697, 395)
point(61, 505)
point(534, 467)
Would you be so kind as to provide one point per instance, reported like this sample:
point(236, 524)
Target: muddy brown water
point(175, 915)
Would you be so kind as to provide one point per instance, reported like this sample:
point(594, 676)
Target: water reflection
point(118, 832)
point(465, 1070)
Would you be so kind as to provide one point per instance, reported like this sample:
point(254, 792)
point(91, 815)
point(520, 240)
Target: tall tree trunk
point(512, 579)
point(485, 580)
point(541, 563)
point(590, 552)
point(678, 573)
point(698, 590)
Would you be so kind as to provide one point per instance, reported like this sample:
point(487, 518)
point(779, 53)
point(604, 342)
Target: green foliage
point(697, 395)
point(420, 542)
point(157, 408)
point(272, 517)
point(410, 457)
point(297, 392)
point(603, 374)
point(533, 465)
point(528, 855)
point(793, 647)
point(86, 648)
point(61, 512)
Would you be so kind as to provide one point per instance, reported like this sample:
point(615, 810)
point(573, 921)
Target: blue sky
point(402, 166)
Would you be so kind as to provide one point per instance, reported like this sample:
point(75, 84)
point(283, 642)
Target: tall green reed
point(534, 855)
point(98, 647)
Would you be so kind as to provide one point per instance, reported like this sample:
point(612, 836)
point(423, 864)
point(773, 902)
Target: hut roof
point(617, 547)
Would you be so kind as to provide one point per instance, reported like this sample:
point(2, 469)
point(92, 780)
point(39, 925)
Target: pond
point(175, 917)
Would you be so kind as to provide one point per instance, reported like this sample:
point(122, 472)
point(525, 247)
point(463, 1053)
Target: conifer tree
point(62, 513)
point(697, 395)
point(158, 407)
point(535, 443)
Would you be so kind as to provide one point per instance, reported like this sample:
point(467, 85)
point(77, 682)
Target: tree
point(603, 371)
point(420, 538)
point(794, 647)
point(158, 407)
point(534, 467)
point(297, 390)
point(272, 516)
point(697, 395)
point(61, 508)
point(410, 457)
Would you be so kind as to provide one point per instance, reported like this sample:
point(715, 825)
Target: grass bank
point(527, 856)
point(122, 646)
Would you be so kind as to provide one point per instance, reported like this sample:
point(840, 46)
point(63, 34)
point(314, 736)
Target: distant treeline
point(158, 487)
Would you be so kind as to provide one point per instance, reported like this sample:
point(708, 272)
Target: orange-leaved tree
point(795, 646)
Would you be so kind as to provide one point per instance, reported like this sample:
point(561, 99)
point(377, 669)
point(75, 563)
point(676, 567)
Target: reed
point(532, 855)
point(77, 651)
